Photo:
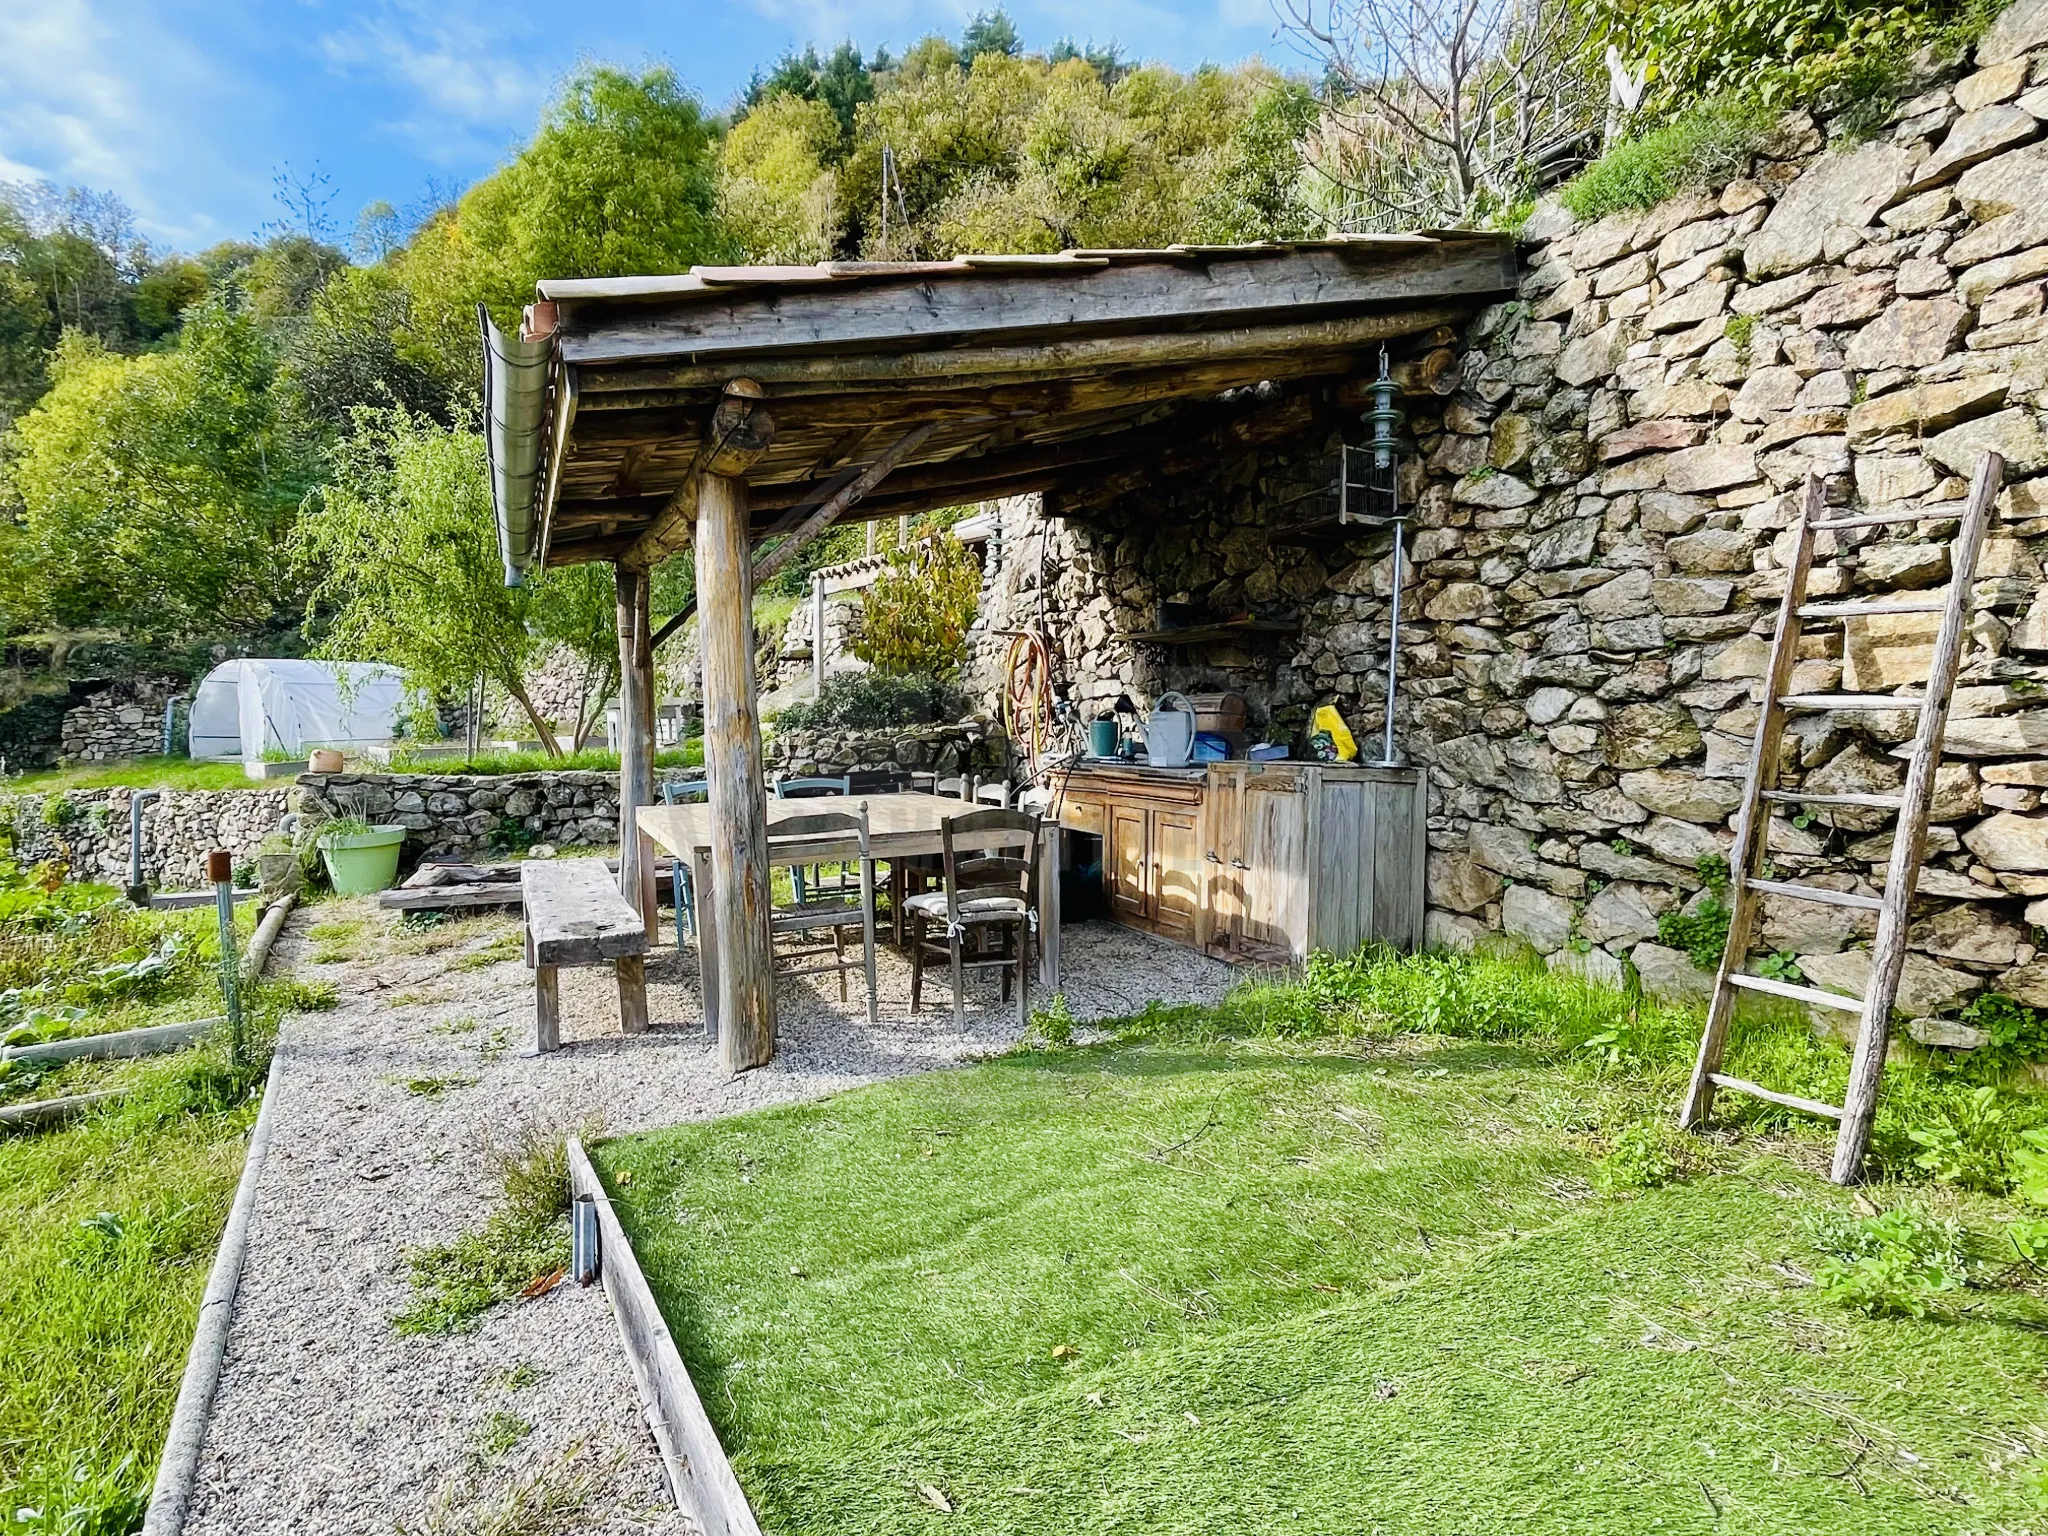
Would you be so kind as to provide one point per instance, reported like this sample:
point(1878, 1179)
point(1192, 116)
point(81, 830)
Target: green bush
point(1972, 1141)
point(873, 701)
point(914, 617)
point(1827, 55)
point(1893, 1264)
point(1707, 145)
point(1702, 932)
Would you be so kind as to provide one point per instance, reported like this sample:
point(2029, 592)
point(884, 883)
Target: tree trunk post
point(636, 740)
point(735, 771)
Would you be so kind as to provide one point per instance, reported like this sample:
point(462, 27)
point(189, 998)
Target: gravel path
point(326, 1420)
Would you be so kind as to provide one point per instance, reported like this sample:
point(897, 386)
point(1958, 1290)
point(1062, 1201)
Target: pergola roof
point(983, 376)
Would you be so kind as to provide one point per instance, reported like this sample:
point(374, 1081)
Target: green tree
point(403, 550)
point(155, 493)
point(778, 196)
point(990, 32)
point(358, 346)
point(914, 617)
point(619, 180)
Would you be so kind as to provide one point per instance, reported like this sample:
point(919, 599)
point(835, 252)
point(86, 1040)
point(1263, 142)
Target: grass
point(1706, 145)
point(592, 759)
point(1336, 1256)
point(135, 773)
point(111, 1228)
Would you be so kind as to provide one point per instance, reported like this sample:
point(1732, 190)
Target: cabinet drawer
point(1083, 816)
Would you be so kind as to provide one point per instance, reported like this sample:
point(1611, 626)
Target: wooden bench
point(576, 916)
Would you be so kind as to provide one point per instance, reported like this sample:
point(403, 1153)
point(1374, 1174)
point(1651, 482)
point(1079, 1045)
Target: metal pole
point(1394, 645)
point(818, 634)
point(138, 891)
point(220, 869)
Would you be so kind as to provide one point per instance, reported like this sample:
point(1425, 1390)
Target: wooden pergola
point(634, 417)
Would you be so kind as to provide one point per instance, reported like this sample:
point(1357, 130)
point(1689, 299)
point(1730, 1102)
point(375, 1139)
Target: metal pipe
point(171, 721)
point(138, 892)
point(220, 869)
point(1394, 646)
point(583, 1239)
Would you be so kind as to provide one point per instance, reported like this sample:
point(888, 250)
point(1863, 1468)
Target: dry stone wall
point(1613, 505)
point(88, 831)
point(966, 747)
point(122, 721)
point(1603, 510)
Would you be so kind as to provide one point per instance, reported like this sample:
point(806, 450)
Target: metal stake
point(1387, 757)
point(220, 869)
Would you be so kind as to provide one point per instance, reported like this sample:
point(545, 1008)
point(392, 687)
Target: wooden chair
point(811, 789)
point(834, 911)
point(676, 792)
point(992, 894)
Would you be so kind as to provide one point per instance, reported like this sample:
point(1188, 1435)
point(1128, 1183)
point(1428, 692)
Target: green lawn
point(1321, 1278)
point(111, 1228)
point(136, 773)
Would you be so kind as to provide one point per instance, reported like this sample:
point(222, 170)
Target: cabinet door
point(1177, 873)
point(1275, 853)
point(1223, 860)
point(1124, 863)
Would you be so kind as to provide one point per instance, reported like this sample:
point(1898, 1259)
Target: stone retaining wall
point(1603, 511)
point(969, 746)
point(88, 830)
point(124, 720)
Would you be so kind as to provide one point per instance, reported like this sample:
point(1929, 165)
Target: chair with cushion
point(677, 792)
point(828, 912)
point(988, 894)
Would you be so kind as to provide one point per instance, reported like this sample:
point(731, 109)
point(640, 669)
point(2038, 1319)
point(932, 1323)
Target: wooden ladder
point(1888, 951)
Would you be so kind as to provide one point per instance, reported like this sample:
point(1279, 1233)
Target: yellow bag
point(1328, 722)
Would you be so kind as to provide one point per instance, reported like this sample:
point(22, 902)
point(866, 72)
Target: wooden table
point(899, 827)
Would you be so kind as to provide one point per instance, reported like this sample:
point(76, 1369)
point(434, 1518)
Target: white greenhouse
point(248, 708)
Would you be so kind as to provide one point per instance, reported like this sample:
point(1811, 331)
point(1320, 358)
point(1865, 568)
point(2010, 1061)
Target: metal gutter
point(515, 413)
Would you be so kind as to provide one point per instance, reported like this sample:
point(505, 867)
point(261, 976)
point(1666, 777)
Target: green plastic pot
point(361, 862)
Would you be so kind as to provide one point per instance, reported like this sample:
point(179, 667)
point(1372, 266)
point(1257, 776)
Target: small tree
point(401, 542)
point(1439, 113)
point(915, 616)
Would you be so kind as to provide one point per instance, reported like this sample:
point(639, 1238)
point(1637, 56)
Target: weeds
point(550, 1500)
point(500, 1432)
point(1890, 1265)
point(1648, 1155)
point(1707, 145)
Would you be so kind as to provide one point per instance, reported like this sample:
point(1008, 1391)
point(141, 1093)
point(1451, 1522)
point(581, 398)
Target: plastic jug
point(1170, 732)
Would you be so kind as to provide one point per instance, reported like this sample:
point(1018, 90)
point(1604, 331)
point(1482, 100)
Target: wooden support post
point(636, 739)
point(735, 771)
point(547, 1010)
point(632, 971)
point(817, 635)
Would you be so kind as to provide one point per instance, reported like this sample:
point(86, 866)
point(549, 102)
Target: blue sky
point(188, 109)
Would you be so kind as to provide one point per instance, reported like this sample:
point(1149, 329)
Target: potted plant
point(360, 858)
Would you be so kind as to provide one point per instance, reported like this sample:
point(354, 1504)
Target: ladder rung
point(1800, 797)
point(1861, 610)
point(1885, 519)
point(1816, 893)
point(1862, 701)
point(1772, 1096)
point(1797, 993)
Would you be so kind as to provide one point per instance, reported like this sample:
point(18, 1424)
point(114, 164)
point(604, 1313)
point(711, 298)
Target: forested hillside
point(238, 447)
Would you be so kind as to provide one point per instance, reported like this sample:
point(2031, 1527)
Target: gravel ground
point(326, 1420)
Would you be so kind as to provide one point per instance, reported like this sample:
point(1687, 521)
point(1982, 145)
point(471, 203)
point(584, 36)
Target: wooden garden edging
point(118, 1045)
point(700, 1477)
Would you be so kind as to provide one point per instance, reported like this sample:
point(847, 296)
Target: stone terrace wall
point(125, 720)
point(969, 746)
point(1877, 312)
point(88, 830)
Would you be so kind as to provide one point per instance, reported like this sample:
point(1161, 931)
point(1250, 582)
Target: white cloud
point(465, 94)
point(99, 95)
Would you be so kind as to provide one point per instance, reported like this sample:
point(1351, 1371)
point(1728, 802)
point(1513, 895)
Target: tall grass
point(1707, 145)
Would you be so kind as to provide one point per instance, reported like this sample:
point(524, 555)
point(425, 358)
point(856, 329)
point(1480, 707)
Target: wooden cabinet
point(1258, 861)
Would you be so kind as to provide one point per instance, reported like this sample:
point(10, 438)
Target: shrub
point(1648, 1155)
point(1971, 1143)
point(873, 701)
point(1701, 932)
point(914, 618)
point(1892, 1264)
point(1707, 145)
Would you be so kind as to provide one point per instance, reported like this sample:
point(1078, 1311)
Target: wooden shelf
point(1209, 634)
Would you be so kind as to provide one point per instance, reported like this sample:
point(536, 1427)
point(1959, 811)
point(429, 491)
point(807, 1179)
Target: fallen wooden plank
point(45, 1112)
point(700, 1478)
point(116, 1046)
point(442, 898)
